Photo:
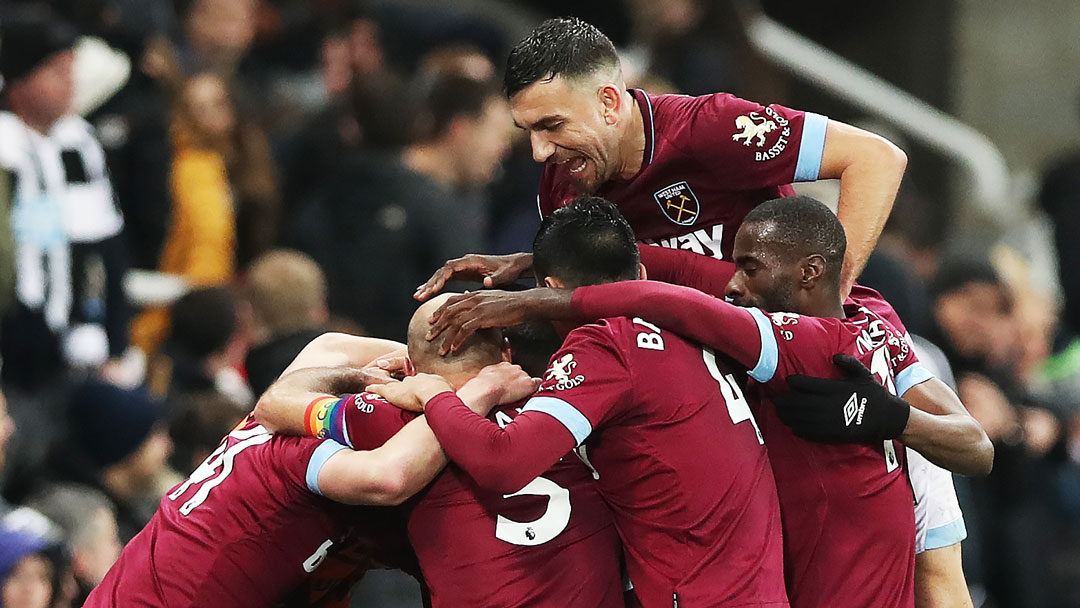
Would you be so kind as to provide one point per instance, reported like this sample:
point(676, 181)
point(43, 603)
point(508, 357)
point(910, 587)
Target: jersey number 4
point(218, 466)
point(737, 406)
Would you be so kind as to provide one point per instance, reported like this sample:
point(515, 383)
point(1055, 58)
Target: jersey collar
point(645, 104)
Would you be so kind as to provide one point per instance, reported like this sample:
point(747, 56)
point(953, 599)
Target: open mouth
point(576, 165)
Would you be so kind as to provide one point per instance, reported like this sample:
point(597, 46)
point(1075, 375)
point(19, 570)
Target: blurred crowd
point(191, 190)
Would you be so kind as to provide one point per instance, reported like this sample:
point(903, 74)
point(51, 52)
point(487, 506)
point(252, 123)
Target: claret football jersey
point(676, 452)
point(708, 161)
point(245, 529)
point(552, 543)
point(849, 523)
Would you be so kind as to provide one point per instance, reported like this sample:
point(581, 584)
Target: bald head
point(483, 348)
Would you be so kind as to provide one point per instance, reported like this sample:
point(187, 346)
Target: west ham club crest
point(679, 203)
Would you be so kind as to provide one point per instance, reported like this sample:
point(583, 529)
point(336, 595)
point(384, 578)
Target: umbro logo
point(854, 409)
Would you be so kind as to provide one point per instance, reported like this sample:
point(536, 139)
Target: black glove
point(854, 409)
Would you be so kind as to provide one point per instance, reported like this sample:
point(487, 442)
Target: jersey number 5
point(737, 406)
point(548, 526)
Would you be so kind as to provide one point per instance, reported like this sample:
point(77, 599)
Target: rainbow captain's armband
point(325, 419)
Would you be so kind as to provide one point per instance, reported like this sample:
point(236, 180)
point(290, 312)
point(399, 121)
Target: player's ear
point(813, 267)
point(553, 282)
point(642, 273)
point(610, 99)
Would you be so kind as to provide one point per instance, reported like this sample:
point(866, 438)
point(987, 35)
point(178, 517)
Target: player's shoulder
point(872, 301)
point(686, 110)
point(604, 332)
point(866, 329)
point(372, 404)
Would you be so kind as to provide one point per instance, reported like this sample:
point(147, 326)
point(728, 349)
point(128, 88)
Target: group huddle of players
point(738, 430)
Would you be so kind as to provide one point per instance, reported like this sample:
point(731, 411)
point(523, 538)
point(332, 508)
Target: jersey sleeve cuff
point(811, 147)
point(319, 457)
point(568, 415)
point(911, 376)
point(945, 536)
point(769, 357)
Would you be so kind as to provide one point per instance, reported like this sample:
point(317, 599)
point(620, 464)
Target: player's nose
point(735, 287)
point(542, 149)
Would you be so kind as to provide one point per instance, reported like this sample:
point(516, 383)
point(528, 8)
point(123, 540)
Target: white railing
point(987, 172)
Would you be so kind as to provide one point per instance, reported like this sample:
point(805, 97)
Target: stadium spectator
point(201, 243)
point(973, 315)
point(411, 203)
point(116, 443)
point(217, 34)
point(196, 373)
point(88, 522)
point(287, 291)
point(350, 55)
point(70, 256)
point(31, 562)
point(206, 343)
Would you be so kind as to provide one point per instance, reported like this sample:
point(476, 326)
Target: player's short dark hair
point(449, 96)
point(803, 226)
point(566, 47)
point(586, 243)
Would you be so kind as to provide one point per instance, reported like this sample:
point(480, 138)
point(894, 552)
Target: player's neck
point(632, 151)
point(824, 307)
point(433, 161)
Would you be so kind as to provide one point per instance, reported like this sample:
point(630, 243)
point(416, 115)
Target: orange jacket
point(201, 242)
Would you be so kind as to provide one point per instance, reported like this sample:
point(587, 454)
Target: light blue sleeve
point(912, 375)
point(568, 415)
point(811, 147)
point(318, 458)
point(946, 536)
point(770, 352)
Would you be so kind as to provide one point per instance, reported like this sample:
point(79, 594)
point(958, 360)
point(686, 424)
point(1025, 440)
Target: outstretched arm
point(334, 349)
point(941, 429)
point(387, 475)
point(409, 459)
point(870, 169)
point(928, 417)
point(695, 315)
point(492, 270)
point(688, 312)
point(281, 409)
point(503, 459)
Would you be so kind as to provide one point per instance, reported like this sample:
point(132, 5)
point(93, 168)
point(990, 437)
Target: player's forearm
point(334, 349)
point(411, 459)
point(687, 268)
point(682, 310)
point(501, 459)
point(281, 408)
point(952, 441)
point(940, 428)
point(939, 579)
point(868, 188)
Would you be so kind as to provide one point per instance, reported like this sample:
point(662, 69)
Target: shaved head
point(483, 348)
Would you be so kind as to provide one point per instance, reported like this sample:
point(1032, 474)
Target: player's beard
point(588, 181)
point(775, 297)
